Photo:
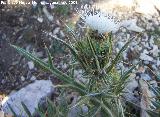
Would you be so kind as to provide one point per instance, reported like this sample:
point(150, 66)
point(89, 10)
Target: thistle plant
point(102, 92)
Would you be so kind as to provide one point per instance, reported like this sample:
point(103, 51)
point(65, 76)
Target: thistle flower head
point(100, 21)
point(105, 22)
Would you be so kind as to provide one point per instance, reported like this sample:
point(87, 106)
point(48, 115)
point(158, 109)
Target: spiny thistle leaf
point(51, 108)
point(94, 53)
point(50, 62)
point(60, 75)
point(114, 62)
point(153, 114)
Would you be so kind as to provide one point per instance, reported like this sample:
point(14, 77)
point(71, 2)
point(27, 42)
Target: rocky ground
point(24, 26)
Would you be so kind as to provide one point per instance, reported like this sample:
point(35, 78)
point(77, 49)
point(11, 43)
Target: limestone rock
point(132, 25)
point(31, 96)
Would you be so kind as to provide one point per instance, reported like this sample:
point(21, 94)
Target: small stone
point(120, 44)
point(154, 67)
point(158, 62)
point(31, 65)
point(153, 83)
point(15, 63)
point(43, 2)
point(58, 22)
point(33, 78)
point(62, 34)
point(22, 78)
point(131, 25)
point(124, 30)
point(78, 73)
point(156, 22)
point(145, 51)
point(52, 6)
point(45, 59)
point(155, 50)
point(34, 3)
point(145, 77)
point(145, 37)
point(64, 66)
point(28, 48)
point(128, 36)
point(84, 109)
point(39, 54)
point(56, 30)
point(146, 62)
point(121, 66)
point(151, 41)
point(141, 69)
point(21, 19)
point(146, 57)
point(40, 19)
point(139, 48)
point(3, 81)
point(125, 55)
point(117, 50)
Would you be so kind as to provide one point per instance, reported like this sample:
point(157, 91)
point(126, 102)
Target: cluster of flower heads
point(100, 21)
